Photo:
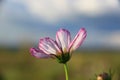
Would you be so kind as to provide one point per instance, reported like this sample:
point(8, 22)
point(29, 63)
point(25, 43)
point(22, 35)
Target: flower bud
point(104, 76)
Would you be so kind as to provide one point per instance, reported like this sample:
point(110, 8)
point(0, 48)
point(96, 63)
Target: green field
point(20, 65)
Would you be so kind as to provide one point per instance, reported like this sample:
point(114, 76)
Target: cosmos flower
point(61, 48)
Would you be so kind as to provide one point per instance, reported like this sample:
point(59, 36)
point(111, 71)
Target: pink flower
point(60, 48)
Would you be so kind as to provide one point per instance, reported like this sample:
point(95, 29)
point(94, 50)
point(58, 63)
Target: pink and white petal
point(79, 38)
point(49, 46)
point(38, 53)
point(63, 38)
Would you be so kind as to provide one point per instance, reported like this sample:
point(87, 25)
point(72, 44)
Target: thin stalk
point(66, 71)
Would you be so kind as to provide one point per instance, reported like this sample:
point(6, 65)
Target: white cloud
point(110, 39)
point(49, 10)
point(11, 33)
point(53, 10)
point(113, 39)
point(96, 7)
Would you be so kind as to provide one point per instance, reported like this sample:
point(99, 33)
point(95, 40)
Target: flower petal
point(49, 46)
point(79, 38)
point(63, 39)
point(38, 53)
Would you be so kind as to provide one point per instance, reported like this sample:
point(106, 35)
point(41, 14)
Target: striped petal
point(49, 46)
point(63, 39)
point(38, 53)
point(79, 38)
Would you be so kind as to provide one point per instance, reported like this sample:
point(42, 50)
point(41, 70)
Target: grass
point(20, 65)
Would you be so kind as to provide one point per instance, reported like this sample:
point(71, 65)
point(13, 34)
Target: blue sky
point(30, 20)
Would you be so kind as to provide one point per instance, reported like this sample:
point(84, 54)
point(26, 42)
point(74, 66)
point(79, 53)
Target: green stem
point(66, 71)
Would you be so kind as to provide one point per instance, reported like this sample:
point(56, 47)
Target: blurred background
point(24, 22)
